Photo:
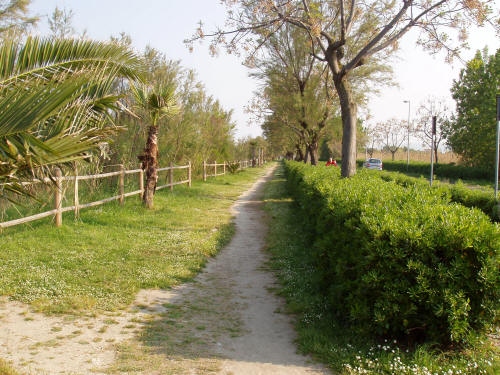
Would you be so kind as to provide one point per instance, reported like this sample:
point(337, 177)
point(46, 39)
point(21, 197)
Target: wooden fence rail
point(58, 179)
point(242, 165)
point(58, 192)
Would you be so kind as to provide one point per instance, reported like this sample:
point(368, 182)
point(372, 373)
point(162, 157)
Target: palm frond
point(47, 57)
point(56, 100)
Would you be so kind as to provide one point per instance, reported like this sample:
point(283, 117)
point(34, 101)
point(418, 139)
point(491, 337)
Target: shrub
point(233, 167)
point(398, 261)
point(441, 170)
point(457, 193)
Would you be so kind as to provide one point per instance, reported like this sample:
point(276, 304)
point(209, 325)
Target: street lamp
point(408, 144)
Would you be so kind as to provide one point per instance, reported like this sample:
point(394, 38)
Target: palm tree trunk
point(149, 160)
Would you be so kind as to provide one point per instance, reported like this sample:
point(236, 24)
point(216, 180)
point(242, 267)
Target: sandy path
point(224, 322)
point(267, 347)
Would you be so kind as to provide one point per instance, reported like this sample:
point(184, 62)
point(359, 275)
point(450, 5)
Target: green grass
point(474, 184)
point(329, 341)
point(102, 260)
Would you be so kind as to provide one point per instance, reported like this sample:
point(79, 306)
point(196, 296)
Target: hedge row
point(441, 170)
point(457, 193)
point(396, 261)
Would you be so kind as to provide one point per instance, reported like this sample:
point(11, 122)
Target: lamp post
point(408, 144)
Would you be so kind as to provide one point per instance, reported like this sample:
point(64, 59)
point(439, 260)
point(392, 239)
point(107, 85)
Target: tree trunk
point(306, 157)
point(313, 152)
point(436, 155)
point(393, 154)
point(149, 160)
point(349, 121)
point(300, 154)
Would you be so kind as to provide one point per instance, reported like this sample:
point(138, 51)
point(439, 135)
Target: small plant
point(233, 167)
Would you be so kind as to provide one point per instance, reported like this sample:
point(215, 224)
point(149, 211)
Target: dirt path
point(224, 322)
point(227, 322)
point(267, 346)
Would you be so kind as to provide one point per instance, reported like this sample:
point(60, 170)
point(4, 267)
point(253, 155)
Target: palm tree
point(153, 103)
point(56, 101)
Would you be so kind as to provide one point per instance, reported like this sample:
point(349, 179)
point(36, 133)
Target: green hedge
point(398, 261)
point(441, 170)
point(457, 193)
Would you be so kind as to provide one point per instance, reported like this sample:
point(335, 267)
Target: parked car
point(373, 164)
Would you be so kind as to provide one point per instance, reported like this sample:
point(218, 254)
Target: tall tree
point(295, 87)
point(349, 34)
point(153, 103)
point(472, 131)
point(202, 130)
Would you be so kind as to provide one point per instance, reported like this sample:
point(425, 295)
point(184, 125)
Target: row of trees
point(66, 99)
point(347, 39)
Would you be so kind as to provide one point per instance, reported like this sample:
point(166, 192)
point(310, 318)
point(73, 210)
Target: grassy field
point(102, 260)
point(329, 341)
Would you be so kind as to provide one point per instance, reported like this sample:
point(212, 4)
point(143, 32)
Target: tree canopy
point(346, 35)
point(472, 131)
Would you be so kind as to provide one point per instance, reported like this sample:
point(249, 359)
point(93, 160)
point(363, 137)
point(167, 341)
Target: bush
point(398, 261)
point(441, 170)
point(233, 167)
point(457, 193)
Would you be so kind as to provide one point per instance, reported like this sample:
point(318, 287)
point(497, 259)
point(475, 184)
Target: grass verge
point(102, 260)
point(326, 339)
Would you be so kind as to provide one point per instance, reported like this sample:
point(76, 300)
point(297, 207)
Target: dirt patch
point(40, 344)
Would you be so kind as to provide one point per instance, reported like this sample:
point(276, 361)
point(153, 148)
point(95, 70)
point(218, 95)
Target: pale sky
point(164, 24)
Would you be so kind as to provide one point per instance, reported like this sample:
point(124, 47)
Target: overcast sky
point(164, 24)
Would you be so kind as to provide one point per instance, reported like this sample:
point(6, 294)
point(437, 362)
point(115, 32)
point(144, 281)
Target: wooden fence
point(206, 167)
point(59, 179)
point(58, 192)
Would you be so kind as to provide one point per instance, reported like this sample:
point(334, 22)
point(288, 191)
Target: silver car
point(373, 164)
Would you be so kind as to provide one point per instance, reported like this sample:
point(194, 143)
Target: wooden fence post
point(189, 173)
point(76, 199)
point(171, 177)
point(215, 173)
point(122, 184)
point(58, 198)
point(224, 170)
point(204, 170)
point(141, 183)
